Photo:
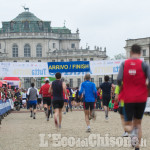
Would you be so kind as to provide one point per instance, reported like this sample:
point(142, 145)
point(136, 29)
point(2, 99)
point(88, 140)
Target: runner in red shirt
point(46, 98)
point(134, 72)
point(65, 101)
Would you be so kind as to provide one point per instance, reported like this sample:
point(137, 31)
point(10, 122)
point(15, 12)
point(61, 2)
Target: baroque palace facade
point(30, 39)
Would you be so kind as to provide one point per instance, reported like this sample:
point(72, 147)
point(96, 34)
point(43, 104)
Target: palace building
point(27, 38)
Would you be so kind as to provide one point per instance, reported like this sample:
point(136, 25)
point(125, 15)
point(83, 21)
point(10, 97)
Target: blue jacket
point(89, 91)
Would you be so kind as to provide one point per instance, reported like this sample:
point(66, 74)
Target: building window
point(54, 45)
point(39, 50)
point(72, 45)
point(27, 82)
point(78, 82)
point(85, 59)
point(11, 26)
point(100, 81)
point(78, 59)
point(15, 50)
point(26, 25)
point(71, 83)
point(144, 52)
point(38, 83)
point(40, 25)
point(15, 60)
point(62, 60)
point(70, 59)
point(53, 60)
point(92, 79)
point(27, 60)
point(39, 60)
point(91, 59)
point(27, 51)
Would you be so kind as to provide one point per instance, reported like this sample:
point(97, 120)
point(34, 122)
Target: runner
point(70, 97)
point(119, 98)
point(56, 89)
point(65, 108)
point(106, 88)
point(46, 98)
point(32, 98)
point(78, 101)
point(133, 73)
point(24, 98)
point(39, 101)
point(89, 91)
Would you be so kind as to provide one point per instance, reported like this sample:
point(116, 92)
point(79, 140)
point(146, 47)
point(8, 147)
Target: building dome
point(26, 16)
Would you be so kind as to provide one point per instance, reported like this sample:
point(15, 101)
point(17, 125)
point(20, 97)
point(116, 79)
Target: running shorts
point(88, 105)
point(134, 110)
point(121, 110)
point(47, 100)
point(32, 104)
point(58, 104)
point(65, 101)
point(78, 100)
point(39, 100)
point(24, 101)
point(106, 100)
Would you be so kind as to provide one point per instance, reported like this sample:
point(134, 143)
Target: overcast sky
point(104, 23)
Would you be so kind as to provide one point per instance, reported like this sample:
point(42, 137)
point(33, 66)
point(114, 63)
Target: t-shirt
point(65, 96)
point(117, 89)
point(106, 88)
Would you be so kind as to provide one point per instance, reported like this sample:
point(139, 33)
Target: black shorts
point(121, 110)
point(39, 100)
point(88, 105)
point(47, 100)
point(58, 104)
point(134, 110)
point(106, 100)
point(78, 100)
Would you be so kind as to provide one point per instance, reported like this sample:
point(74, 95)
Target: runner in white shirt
point(24, 98)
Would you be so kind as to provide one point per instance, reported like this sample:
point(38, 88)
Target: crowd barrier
point(6, 106)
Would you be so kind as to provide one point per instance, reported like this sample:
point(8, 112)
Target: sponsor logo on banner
point(75, 66)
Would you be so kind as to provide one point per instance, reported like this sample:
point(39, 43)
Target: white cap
point(47, 79)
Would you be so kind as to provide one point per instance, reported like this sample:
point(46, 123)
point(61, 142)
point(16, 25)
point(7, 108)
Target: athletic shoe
point(34, 117)
point(134, 141)
point(106, 118)
point(125, 134)
point(88, 130)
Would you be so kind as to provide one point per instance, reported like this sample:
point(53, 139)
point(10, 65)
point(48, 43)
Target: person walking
point(32, 95)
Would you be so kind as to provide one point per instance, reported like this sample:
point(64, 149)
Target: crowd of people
point(128, 97)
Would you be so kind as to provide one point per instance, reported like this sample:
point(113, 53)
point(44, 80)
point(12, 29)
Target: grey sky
point(101, 22)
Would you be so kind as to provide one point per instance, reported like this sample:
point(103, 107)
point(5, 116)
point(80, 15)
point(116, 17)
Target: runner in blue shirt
point(89, 91)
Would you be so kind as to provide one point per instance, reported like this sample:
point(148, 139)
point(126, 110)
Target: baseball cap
point(47, 79)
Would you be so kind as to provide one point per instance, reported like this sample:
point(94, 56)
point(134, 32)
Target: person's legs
point(34, 110)
point(87, 118)
point(31, 110)
point(55, 116)
point(45, 105)
point(60, 117)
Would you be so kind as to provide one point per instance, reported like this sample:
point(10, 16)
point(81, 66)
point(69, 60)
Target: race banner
point(48, 69)
point(75, 66)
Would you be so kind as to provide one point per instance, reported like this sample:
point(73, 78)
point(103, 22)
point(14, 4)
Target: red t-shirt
point(44, 90)
point(134, 82)
point(65, 96)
